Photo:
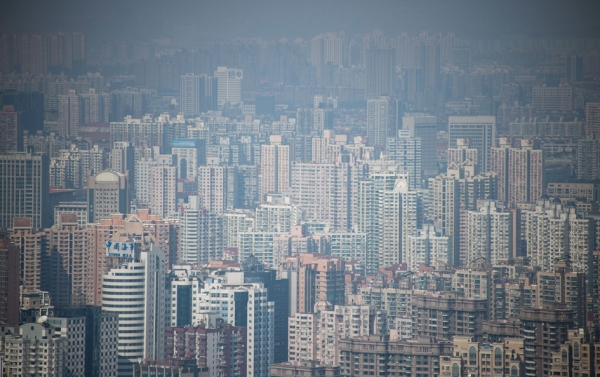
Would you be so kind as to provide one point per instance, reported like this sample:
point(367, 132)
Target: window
point(498, 357)
point(472, 356)
point(455, 371)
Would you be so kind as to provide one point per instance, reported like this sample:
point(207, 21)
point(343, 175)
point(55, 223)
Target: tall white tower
point(229, 84)
point(135, 290)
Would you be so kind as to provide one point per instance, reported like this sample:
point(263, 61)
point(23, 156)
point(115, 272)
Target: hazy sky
point(223, 19)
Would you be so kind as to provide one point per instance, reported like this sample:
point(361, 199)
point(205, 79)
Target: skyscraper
point(592, 120)
point(201, 233)
point(213, 188)
point(31, 245)
point(250, 308)
point(162, 187)
point(380, 71)
point(141, 307)
point(189, 95)
point(9, 280)
point(274, 167)
point(479, 130)
point(588, 159)
point(520, 171)
point(24, 189)
point(229, 83)
point(64, 263)
point(381, 120)
point(11, 130)
point(68, 114)
point(424, 127)
point(489, 233)
point(406, 151)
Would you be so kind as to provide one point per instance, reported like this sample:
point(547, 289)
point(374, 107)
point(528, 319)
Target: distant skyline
point(274, 19)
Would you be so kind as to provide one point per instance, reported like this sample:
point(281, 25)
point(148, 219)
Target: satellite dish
point(42, 319)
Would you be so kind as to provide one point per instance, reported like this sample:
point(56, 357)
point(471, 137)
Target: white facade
point(244, 305)
point(183, 297)
point(302, 337)
point(201, 233)
point(428, 248)
point(136, 292)
point(259, 244)
point(229, 85)
point(233, 224)
point(552, 230)
point(489, 234)
point(212, 187)
point(162, 187)
point(277, 217)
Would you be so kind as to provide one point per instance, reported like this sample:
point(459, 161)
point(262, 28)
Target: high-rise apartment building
point(588, 159)
point(213, 188)
point(94, 107)
point(462, 153)
point(520, 171)
point(10, 268)
point(489, 234)
point(552, 230)
point(215, 345)
point(68, 114)
point(64, 263)
point(327, 192)
point(73, 329)
point(189, 95)
point(162, 190)
point(380, 355)
point(189, 155)
point(183, 297)
point(31, 245)
point(557, 98)
point(245, 305)
point(108, 193)
point(458, 189)
point(229, 83)
point(380, 71)
point(135, 290)
point(406, 151)
point(46, 351)
point(201, 233)
point(24, 189)
point(313, 278)
point(544, 329)
point(381, 120)
point(11, 130)
point(592, 120)
point(427, 247)
point(424, 127)
point(479, 130)
point(460, 315)
point(345, 322)
point(274, 167)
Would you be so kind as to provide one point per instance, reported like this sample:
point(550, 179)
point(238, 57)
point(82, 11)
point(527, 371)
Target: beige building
point(520, 171)
point(274, 167)
point(32, 246)
point(108, 193)
point(445, 314)
point(381, 356)
point(468, 358)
